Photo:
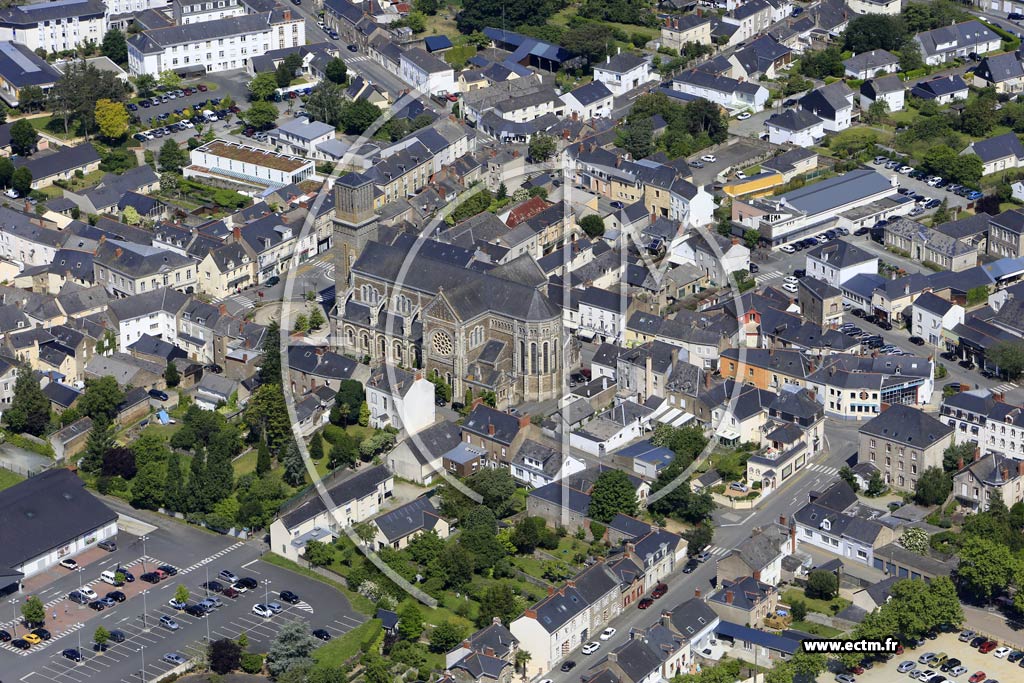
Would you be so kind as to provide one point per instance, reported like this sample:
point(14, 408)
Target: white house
point(750, 19)
point(870, 64)
point(612, 429)
point(421, 69)
point(400, 399)
point(832, 103)
point(603, 313)
point(727, 92)
point(690, 204)
point(718, 261)
point(624, 72)
point(212, 46)
point(591, 101)
point(795, 127)
point(195, 11)
point(355, 497)
point(154, 313)
point(248, 165)
point(887, 7)
point(838, 261)
point(998, 153)
point(300, 136)
point(959, 40)
point(825, 523)
point(932, 315)
point(538, 465)
point(54, 26)
point(887, 89)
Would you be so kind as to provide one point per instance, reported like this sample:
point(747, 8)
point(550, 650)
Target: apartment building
point(54, 26)
point(902, 442)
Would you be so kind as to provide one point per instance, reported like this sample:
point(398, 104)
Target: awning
point(727, 434)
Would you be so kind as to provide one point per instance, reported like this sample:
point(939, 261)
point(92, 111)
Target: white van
point(109, 577)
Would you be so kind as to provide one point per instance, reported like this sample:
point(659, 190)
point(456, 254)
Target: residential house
point(400, 399)
point(932, 316)
point(820, 302)
point(225, 270)
point(499, 434)
point(744, 600)
point(832, 521)
point(1006, 234)
point(871, 64)
point(832, 103)
point(957, 41)
point(903, 442)
point(838, 261)
point(487, 655)
point(1003, 72)
point(792, 163)
point(795, 127)
point(154, 312)
point(727, 92)
point(591, 101)
point(998, 153)
point(677, 31)
point(536, 464)
point(71, 440)
point(300, 136)
point(419, 459)
point(430, 74)
point(763, 57)
point(979, 481)
point(889, 90)
point(61, 163)
point(624, 72)
point(758, 556)
point(22, 68)
point(54, 28)
point(397, 527)
point(750, 18)
point(354, 496)
point(560, 505)
point(311, 367)
point(941, 89)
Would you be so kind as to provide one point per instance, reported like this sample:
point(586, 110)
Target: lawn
point(246, 463)
point(357, 431)
point(335, 653)
point(9, 479)
point(563, 16)
point(815, 605)
point(41, 123)
point(816, 629)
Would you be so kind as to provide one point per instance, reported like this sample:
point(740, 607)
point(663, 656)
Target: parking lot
point(921, 187)
point(727, 158)
point(319, 605)
point(996, 670)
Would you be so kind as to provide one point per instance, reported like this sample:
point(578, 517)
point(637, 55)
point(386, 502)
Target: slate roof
point(417, 515)
point(937, 87)
point(757, 551)
point(156, 40)
point(906, 425)
point(882, 86)
point(746, 592)
point(61, 394)
point(40, 12)
point(622, 63)
point(760, 54)
point(46, 512)
point(828, 99)
point(965, 35)
point(1000, 68)
point(840, 254)
point(998, 147)
point(837, 191)
point(563, 496)
point(167, 300)
point(765, 639)
point(22, 67)
point(787, 161)
point(932, 303)
point(483, 417)
point(793, 120)
point(346, 488)
point(871, 61)
point(591, 92)
point(60, 160)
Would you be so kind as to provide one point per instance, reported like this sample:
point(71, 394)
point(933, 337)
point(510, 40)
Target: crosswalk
point(762, 278)
point(356, 59)
point(823, 469)
point(304, 606)
point(717, 551)
point(207, 560)
point(1005, 387)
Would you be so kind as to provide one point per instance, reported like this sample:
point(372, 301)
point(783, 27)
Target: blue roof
point(1004, 267)
point(463, 453)
point(435, 43)
point(645, 451)
point(771, 641)
point(864, 284)
point(163, 417)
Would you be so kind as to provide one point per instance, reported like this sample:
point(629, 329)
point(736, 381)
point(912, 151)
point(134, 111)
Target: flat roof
point(254, 155)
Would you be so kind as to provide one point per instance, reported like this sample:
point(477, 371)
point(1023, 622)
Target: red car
point(978, 677)
point(659, 591)
point(645, 603)
point(202, 88)
point(857, 670)
point(988, 646)
point(899, 649)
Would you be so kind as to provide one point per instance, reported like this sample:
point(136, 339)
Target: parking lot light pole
point(144, 538)
point(145, 626)
point(142, 671)
point(207, 580)
point(80, 571)
point(81, 655)
point(266, 591)
point(14, 613)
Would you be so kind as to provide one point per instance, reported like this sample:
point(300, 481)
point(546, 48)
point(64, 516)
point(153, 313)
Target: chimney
point(612, 657)
point(575, 117)
point(236, 232)
point(565, 132)
point(728, 597)
point(1006, 473)
point(757, 575)
point(782, 520)
point(223, 309)
point(496, 621)
point(489, 651)
point(1020, 468)
point(792, 539)
point(287, 14)
point(696, 591)
point(524, 421)
point(999, 397)
point(735, 240)
point(977, 453)
point(960, 464)
point(490, 429)
point(532, 613)
point(707, 380)
point(608, 59)
point(668, 22)
point(515, 154)
point(551, 590)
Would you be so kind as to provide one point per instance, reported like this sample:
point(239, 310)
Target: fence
point(26, 471)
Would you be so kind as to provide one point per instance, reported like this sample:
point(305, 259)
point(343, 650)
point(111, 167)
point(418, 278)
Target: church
point(482, 330)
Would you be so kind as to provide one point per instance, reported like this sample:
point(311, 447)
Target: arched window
point(351, 336)
point(366, 341)
point(403, 305)
point(476, 337)
point(545, 355)
point(522, 357)
point(383, 348)
point(533, 358)
point(398, 353)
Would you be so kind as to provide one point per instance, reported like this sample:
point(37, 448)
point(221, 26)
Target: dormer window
point(826, 525)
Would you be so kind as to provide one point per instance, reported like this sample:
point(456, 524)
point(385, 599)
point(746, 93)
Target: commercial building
point(247, 166)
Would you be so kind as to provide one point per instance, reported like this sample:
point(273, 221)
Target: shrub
point(252, 662)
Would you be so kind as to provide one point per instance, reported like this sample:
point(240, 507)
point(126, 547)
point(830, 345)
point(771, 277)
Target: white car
point(906, 169)
point(740, 175)
point(188, 124)
point(744, 116)
point(932, 182)
point(787, 249)
point(262, 610)
point(88, 592)
point(591, 647)
point(790, 279)
point(958, 670)
point(789, 287)
point(1001, 652)
point(607, 633)
point(710, 158)
point(69, 563)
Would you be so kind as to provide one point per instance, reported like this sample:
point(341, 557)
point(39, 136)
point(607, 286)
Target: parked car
point(42, 633)
point(645, 603)
point(69, 563)
point(321, 634)
point(591, 647)
point(5, 637)
point(248, 582)
point(168, 623)
point(168, 570)
point(32, 639)
point(228, 576)
point(690, 566)
point(177, 604)
point(568, 665)
point(845, 678)
point(173, 657)
point(108, 545)
point(709, 158)
point(977, 677)
point(21, 644)
point(906, 666)
point(289, 597)
point(72, 654)
point(916, 341)
point(659, 591)
point(196, 611)
point(988, 646)
point(261, 610)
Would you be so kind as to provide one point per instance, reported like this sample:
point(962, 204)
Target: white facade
point(592, 110)
point(894, 101)
point(248, 164)
point(807, 137)
point(21, 248)
point(119, 7)
point(622, 82)
point(606, 323)
point(195, 11)
point(431, 75)
point(889, 7)
point(726, 92)
point(531, 471)
point(411, 411)
point(214, 46)
point(80, 22)
point(836, 274)
point(693, 211)
point(161, 324)
point(929, 326)
point(822, 537)
point(82, 543)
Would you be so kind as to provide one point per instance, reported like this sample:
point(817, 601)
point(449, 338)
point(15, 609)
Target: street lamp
point(266, 591)
point(144, 538)
point(80, 571)
point(207, 586)
point(80, 653)
point(145, 626)
point(14, 613)
point(142, 654)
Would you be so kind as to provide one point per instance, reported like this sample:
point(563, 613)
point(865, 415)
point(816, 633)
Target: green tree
point(979, 117)
point(6, 171)
point(23, 137)
point(847, 475)
point(1008, 356)
point(915, 540)
point(115, 47)
point(224, 656)
point(496, 486)
point(316, 318)
point(822, 63)
point(99, 441)
point(364, 415)
point(32, 611)
point(636, 136)
point(876, 485)
point(219, 478)
point(799, 609)
point(261, 115)
point(194, 488)
point(21, 181)
point(263, 86)
point(454, 566)
point(267, 414)
point(613, 493)
point(933, 487)
point(112, 119)
point(445, 637)
point(336, 71)
point(976, 296)
point(100, 636)
point(822, 585)
point(131, 216)
point(270, 368)
point(476, 15)
point(169, 80)
point(29, 411)
point(591, 40)
point(263, 461)
point(499, 600)
point(410, 621)
point(357, 116)
point(542, 147)
point(941, 214)
point(874, 32)
point(751, 238)
point(145, 84)
point(171, 375)
point(592, 224)
point(30, 98)
point(181, 593)
point(294, 466)
point(316, 447)
point(172, 157)
point(291, 649)
point(148, 487)
point(174, 482)
point(319, 554)
point(986, 567)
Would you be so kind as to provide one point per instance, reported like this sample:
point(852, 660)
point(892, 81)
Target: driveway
point(728, 158)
